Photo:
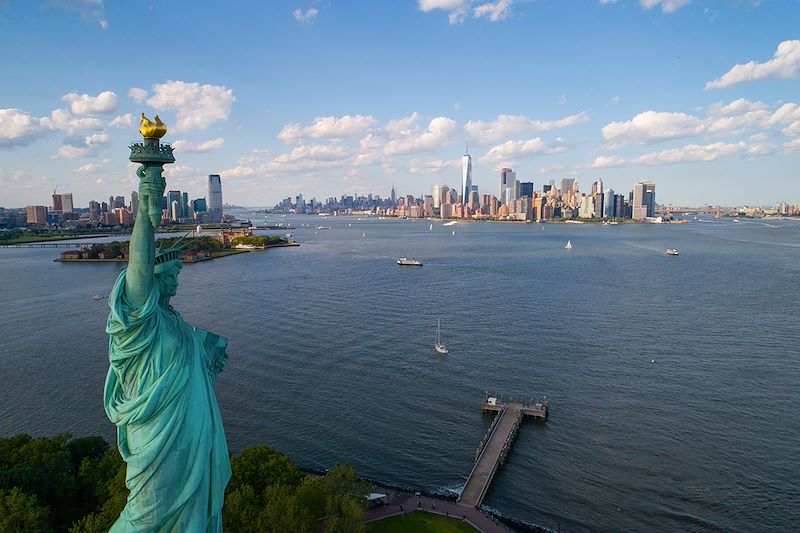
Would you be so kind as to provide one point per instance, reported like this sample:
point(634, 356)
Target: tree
point(22, 513)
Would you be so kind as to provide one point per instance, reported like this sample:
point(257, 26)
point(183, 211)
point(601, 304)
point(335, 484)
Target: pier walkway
point(495, 446)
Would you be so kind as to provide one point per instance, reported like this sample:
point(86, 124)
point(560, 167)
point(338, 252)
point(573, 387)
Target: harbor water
point(672, 381)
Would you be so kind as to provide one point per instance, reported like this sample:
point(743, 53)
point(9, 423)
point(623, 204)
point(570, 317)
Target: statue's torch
point(153, 156)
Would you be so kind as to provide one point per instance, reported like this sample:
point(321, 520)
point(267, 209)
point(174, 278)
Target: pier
point(497, 442)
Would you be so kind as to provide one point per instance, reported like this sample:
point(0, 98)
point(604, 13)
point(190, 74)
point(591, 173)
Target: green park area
point(420, 522)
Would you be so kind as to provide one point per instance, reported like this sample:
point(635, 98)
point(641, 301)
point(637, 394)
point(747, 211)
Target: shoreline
point(123, 260)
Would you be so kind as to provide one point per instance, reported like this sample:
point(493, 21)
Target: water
point(672, 380)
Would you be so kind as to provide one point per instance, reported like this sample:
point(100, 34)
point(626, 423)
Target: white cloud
point(792, 146)
point(606, 2)
point(786, 114)
point(305, 16)
point(784, 65)
point(138, 95)
point(494, 11)
point(615, 100)
point(182, 173)
point(83, 104)
point(61, 119)
point(238, 172)
point(90, 10)
point(505, 126)
point(345, 127)
point(512, 151)
point(77, 146)
point(432, 166)
point(686, 154)
point(739, 117)
point(18, 128)
point(187, 147)
point(667, 6)
point(197, 106)
point(122, 121)
point(91, 168)
point(401, 126)
point(792, 130)
point(441, 131)
point(458, 10)
point(652, 126)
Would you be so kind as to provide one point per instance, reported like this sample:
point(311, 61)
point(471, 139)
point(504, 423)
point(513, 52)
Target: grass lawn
point(420, 522)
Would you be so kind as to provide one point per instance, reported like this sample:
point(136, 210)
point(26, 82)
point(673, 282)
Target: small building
point(225, 236)
point(71, 255)
point(374, 499)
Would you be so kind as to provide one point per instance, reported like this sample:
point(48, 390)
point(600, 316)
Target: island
point(193, 249)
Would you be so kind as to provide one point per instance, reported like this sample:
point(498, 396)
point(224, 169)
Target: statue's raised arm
point(142, 251)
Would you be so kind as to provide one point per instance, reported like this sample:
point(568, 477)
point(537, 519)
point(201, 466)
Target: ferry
point(672, 251)
point(407, 261)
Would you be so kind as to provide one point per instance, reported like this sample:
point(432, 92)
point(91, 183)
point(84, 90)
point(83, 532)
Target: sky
point(335, 97)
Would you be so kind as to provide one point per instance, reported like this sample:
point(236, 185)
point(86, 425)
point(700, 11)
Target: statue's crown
point(168, 254)
point(174, 251)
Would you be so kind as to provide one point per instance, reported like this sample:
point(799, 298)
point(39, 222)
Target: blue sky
point(331, 97)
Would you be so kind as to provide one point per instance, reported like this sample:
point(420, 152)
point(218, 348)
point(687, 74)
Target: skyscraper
point(57, 204)
point(466, 177)
point(507, 177)
point(650, 198)
point(66, 202)
point(638, 207)
point(214, 198)
point(566, 185)
point(174, 198)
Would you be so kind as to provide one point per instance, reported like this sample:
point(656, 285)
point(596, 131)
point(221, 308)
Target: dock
point(497, 442)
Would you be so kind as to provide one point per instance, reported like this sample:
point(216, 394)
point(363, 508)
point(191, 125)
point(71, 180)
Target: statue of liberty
point(160, 385)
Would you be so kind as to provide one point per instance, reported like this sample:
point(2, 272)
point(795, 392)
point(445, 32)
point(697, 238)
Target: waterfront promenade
point(401, 503)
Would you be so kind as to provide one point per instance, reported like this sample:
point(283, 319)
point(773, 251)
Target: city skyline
point(606, 91)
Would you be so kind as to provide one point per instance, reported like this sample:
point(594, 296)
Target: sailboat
point(440, 348)
point(431, 228)
point(568, 246)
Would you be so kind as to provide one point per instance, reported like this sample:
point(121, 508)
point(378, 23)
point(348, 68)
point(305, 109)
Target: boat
point(672, 251)
point(568, 246)
point(439, 347)
point(364, 235)
point(323, 227)
point(452, 223)
point(97, 297)
point(431, 228)
point(407, 261)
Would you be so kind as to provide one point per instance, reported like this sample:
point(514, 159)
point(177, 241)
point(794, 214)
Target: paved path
point(402, 502)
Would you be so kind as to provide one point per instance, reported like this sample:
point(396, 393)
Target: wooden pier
point(497, 442)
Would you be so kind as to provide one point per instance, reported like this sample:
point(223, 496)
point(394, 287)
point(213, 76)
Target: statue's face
point(167, 278)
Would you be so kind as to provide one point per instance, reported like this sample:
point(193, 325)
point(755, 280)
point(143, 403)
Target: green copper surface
point(160, 386)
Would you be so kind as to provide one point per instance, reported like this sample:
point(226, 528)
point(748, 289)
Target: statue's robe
point(160, 394)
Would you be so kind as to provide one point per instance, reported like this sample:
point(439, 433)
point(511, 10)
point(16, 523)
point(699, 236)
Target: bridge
point(497, 442)
point(49, 245)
